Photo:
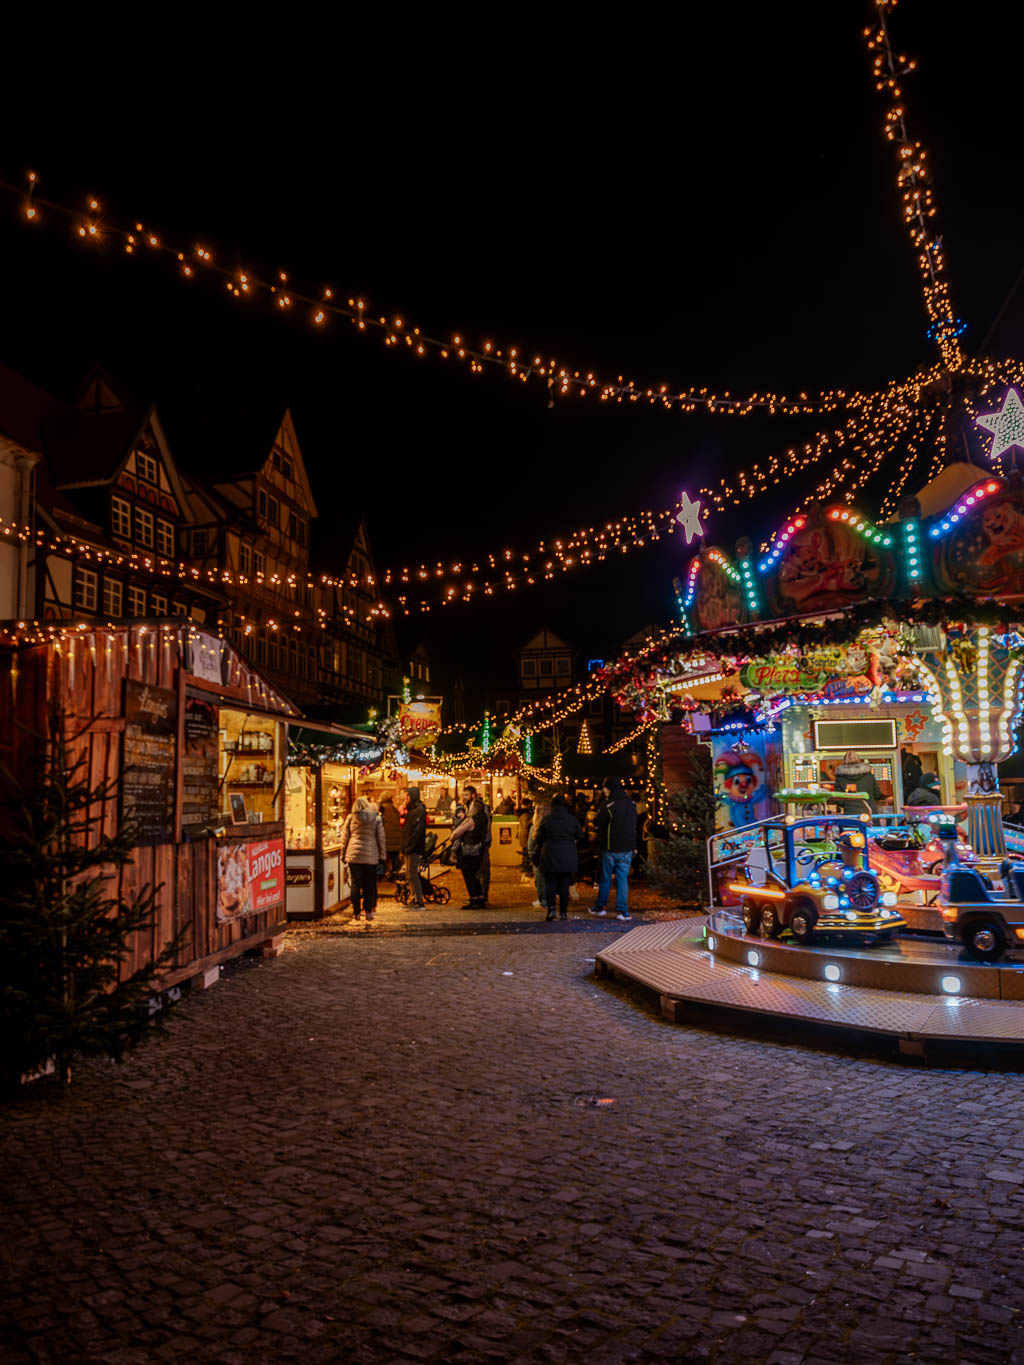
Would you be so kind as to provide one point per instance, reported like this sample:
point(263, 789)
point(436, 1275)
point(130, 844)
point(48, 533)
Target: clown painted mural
point(747, 773)
point(983, 549)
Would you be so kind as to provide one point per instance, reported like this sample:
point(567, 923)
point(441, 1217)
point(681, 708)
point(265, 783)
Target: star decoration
point(688, 518)
point(914, 724)
point(1007, 427)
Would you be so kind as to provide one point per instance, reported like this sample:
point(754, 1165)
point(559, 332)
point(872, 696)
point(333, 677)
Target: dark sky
point(706, 203)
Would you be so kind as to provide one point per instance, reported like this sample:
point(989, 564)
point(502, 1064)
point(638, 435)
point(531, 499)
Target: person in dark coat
point(854, 775)
point(912, 771)
point(616, 839)
point(392, 823)
point(414, 845)
point(468, 839)
point(926, 793)
point(556, 840)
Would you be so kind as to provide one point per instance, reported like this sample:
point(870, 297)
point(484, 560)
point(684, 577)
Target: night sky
point(711, 203)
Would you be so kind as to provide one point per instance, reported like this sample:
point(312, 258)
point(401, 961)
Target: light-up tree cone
point(975, 689)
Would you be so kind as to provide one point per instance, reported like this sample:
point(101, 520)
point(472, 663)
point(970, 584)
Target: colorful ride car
point(813, 877)
point(987, 920)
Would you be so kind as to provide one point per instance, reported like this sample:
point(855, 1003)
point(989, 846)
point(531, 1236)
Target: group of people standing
point(376, 840)
point(556, 836)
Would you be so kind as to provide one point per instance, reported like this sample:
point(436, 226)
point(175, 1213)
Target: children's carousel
point(859, 684)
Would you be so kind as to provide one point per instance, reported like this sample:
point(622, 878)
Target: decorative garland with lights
point(383, 745)
point(634, 682)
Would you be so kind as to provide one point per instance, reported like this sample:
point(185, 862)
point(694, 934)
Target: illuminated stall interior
point(319, 792)
point(250, 752)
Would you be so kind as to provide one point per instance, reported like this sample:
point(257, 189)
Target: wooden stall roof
point(211, 663)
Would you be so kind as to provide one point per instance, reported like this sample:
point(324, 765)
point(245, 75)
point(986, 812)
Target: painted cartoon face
point(803, 559)
point(997, 520)
point(740, 785)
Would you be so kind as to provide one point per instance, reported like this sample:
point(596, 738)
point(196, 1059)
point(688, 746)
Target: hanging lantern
point(976, 694)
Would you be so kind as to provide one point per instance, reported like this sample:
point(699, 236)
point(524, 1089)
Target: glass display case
point(316, 802)
point(301, 815)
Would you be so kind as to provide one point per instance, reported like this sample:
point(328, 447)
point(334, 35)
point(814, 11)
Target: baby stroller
point(433, 894)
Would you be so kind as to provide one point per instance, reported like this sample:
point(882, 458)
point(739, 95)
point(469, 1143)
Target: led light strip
point(961, 508)
point(984, 736)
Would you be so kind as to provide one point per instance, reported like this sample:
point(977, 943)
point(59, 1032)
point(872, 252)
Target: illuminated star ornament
point(688, 518)
point(1007, 427)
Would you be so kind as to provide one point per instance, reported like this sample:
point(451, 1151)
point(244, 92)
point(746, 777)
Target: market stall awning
point(313, 732)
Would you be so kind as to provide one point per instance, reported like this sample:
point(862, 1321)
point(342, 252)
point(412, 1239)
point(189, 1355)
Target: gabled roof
point(100, 392)
point(82, 448)
point(544, 639)
point(222, 447)
point(88, 450)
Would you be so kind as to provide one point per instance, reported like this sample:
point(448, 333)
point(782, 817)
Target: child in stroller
point(432, 892)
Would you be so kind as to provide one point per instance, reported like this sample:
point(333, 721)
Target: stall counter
point(301, 876)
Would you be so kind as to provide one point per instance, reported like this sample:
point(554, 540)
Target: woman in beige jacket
point(363, 846)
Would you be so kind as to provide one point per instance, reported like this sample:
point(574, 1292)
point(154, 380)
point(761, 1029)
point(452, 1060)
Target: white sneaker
point(595, 911)
point(624, 917)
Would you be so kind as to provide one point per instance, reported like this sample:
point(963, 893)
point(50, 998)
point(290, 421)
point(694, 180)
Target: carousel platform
point(922, 995)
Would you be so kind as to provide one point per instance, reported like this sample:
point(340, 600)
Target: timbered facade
point(215, 522)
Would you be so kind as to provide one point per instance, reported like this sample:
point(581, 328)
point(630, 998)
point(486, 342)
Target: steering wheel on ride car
point(804, 856)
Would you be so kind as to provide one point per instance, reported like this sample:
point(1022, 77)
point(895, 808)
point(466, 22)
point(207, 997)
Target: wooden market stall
point(192, 738)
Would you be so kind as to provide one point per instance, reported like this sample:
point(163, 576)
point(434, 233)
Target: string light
point(399, 334)
point(913, 179)
point(630, 738)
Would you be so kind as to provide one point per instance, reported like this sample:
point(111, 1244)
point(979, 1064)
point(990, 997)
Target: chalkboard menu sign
point(147, 762)
point(199, 777)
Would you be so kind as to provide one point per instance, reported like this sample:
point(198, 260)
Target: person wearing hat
point(926, 793)
point(616, 840)
point(414, 845)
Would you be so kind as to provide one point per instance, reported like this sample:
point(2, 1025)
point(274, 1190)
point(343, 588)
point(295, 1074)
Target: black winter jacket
point(556, 840)
point(414, 831)
point(616, 822)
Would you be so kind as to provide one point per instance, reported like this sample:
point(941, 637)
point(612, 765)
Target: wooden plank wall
point(86, 676)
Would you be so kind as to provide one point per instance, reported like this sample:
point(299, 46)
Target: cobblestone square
point(394, 1148)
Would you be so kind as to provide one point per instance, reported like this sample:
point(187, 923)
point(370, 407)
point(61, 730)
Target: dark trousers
point(557, 887)
point(470, 869)
point(485, 871)
point(364, 887)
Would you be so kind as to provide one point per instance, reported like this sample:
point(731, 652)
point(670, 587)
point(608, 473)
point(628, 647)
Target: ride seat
point(758, 866)
point(1013, 878)
point(965, 885)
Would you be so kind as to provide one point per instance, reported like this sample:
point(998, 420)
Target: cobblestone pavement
point(387, 1150)
point(510, 904)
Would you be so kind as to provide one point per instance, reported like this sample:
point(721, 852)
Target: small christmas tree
point(680, 862)
point(64, 937)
